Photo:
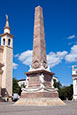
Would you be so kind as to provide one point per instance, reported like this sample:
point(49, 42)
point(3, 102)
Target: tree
point(65, 92)
point(57, 84)
point(16, 87)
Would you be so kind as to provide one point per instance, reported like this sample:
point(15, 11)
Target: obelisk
point(39, 61)
point(39, 90)
point(39, 49)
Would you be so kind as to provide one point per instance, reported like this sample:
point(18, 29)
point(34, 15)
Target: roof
point(21, 80)
point(7, 34)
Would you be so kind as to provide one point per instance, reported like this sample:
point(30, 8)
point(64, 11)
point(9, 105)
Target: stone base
point(41, 96)
point(53, 94)
point(40, 102)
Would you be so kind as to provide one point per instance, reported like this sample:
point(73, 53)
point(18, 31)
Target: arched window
point(76, 81)
point(9, 42)
point(3, 41)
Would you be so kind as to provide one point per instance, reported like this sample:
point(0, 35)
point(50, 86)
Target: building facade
point(6, 61)
point(74, 77)
point(22, 82)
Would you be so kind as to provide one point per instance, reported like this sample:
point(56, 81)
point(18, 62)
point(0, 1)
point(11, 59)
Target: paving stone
point(11, 109)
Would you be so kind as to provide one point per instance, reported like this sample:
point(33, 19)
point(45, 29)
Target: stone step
point(40, 101)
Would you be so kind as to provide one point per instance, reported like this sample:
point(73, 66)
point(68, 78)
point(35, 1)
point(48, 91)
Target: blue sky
point(60, 23)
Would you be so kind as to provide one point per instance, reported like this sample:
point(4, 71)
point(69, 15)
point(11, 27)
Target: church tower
point(7, 44)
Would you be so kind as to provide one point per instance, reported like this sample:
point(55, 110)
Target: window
point(9, 42)
point(76, 72)
point(3, 41)
point(76, 81)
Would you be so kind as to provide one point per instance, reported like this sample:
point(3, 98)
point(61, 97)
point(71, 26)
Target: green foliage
point(16, 88)
point(57, 84)
point(65, 92)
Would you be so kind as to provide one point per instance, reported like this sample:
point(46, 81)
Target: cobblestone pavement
point(10, 109)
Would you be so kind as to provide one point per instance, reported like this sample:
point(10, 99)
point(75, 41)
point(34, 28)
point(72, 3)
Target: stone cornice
point(74, 75)
point(9, 47)
point(39, 71)
point(7, 34)
point(7, 28)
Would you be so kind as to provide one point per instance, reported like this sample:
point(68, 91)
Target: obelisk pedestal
point(40, 90)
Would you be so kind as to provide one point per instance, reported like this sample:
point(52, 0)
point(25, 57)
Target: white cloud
point(71, 37)
point(17, 55)
point(71, 43)
point(55, 58)
point(26, 57)
point(52, 58)
point(15, 65)
point(72, 56)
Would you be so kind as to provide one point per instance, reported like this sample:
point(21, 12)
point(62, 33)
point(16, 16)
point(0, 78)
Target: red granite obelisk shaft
point(39, 49)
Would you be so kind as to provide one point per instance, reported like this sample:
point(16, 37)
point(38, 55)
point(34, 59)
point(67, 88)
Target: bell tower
point(6, 37)
point(7, 43)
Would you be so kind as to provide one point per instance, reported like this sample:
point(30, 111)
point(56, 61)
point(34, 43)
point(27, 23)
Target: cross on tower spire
point(7, 23)
point(7, 28)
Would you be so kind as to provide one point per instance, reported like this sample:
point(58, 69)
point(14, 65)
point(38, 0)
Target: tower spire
point(7, 28)
point(7, 22)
